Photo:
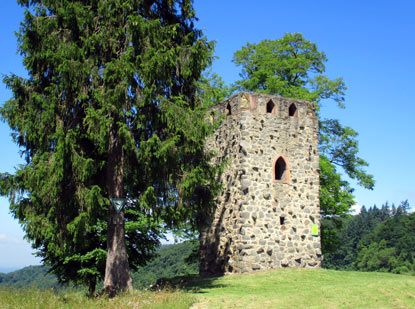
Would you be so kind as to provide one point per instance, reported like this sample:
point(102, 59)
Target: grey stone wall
point(265, 214)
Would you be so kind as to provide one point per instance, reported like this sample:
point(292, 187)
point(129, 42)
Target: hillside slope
point(279, 288)
point(29, 276)
point(169, 262)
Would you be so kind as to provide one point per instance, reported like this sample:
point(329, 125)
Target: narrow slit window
point(270, 106)
point(228, 110)
point(280, 169)
point(292, 110)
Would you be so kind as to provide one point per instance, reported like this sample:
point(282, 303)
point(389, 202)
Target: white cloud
point(355, 209)
point(3, 236)
point(170, 239)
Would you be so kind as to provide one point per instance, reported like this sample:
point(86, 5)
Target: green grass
point(282, 288)
point(305, 288)
point(47, 299)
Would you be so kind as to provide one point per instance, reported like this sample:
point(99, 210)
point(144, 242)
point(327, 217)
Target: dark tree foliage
point(355, 229)
point(109, 110)
point(377, 239)
point(294, 67)
point(390, 246)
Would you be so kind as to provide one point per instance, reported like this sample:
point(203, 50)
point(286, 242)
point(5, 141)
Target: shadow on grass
point(189, 283)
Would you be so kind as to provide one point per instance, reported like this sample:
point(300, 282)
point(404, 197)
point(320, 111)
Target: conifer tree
point(108, 111)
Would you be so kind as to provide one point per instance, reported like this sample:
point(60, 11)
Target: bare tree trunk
point(117, 270)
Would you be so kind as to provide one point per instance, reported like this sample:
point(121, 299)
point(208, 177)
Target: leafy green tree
point(377, 257)
point(212, 89)
point(357, 232)
point(293, 67)
point(389, 247)
point(377, 239)
point(109, 111)
point(290, 67)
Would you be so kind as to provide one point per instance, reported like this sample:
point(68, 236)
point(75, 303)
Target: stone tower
point(268, 213)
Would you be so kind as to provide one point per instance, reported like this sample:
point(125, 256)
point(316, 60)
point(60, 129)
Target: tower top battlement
point(258, 103)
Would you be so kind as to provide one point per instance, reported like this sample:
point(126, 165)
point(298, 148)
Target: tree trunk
point(91, 288)
point(117, 270)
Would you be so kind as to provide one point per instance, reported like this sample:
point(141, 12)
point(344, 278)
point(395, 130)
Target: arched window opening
point(280, 169)
point(292, 110)
point(228, 110)
point(270, 106)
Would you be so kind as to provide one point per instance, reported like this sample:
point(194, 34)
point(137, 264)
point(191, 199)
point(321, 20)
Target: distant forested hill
point(170, 262)
point(28, 276)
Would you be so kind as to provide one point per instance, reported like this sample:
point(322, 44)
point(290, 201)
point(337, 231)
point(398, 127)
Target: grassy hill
point(306, 288)
point(281, 288)
point(32, 287)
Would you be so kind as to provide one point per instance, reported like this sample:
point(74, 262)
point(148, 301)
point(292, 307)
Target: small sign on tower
point(314, 230)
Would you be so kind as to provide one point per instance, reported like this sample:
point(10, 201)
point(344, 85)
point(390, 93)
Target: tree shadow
point(188, 283)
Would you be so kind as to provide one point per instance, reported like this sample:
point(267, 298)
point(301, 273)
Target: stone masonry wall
point(270, 199)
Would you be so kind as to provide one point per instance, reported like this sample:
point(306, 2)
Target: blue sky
point(368, 43)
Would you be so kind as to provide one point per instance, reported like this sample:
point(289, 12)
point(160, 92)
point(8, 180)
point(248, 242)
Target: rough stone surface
point(264, 215)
